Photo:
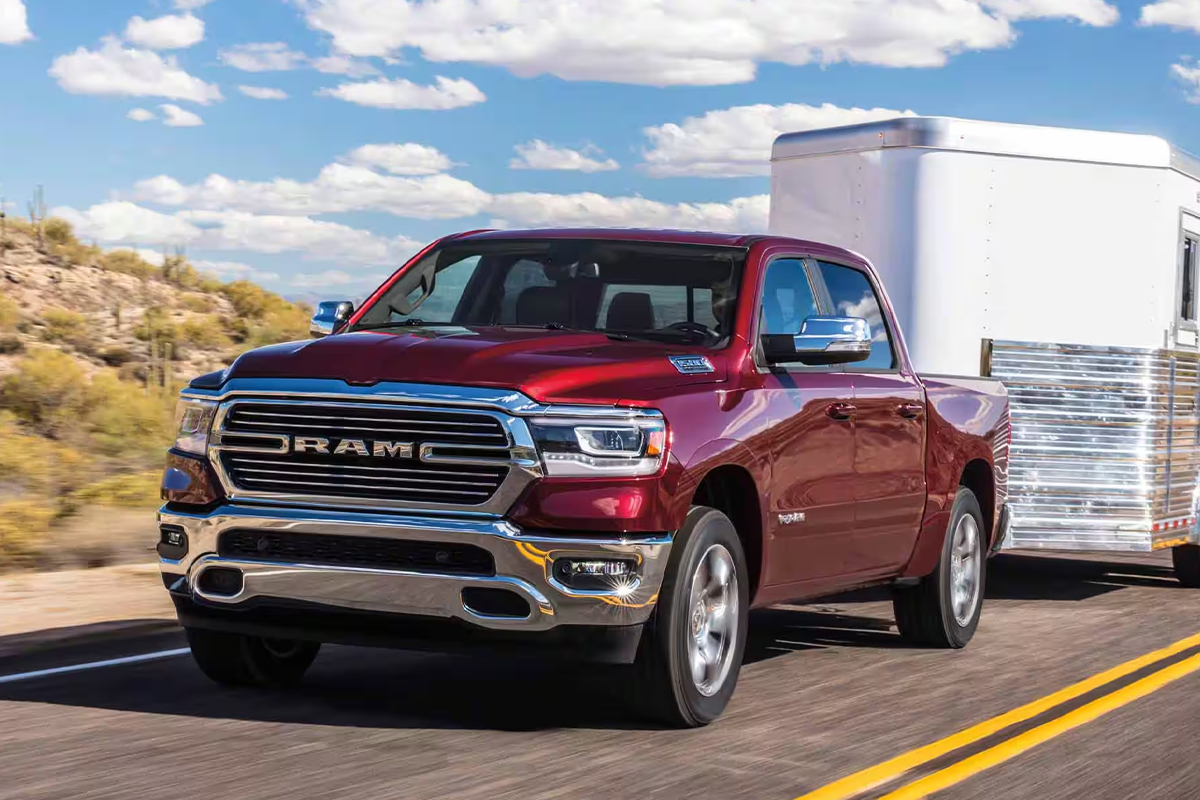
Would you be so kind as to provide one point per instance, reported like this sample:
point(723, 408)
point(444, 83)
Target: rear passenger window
point(787, 297)
point(852, 296)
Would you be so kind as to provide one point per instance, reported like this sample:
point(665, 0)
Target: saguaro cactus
point(37, 216)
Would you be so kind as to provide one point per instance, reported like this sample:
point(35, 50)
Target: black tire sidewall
point(703, 528)
point(958, 635)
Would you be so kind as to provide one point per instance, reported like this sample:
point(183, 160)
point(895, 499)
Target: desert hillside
point(93, 348)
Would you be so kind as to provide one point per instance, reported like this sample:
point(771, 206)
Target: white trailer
point(1063, 262)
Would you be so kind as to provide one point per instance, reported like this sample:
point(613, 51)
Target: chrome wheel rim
point(966, 560)
point(712, 620)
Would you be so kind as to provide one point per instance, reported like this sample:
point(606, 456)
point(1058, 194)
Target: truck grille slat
point(449, 476)
point(370, 552)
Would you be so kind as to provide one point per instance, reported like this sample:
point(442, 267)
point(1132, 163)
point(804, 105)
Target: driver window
point(787, 298)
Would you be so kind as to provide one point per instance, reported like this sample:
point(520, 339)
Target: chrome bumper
point(523, 565)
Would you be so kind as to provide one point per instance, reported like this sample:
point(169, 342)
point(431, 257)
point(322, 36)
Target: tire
point(663, 684)
point(1187, 564)
point(233, 659)
point(925, 613)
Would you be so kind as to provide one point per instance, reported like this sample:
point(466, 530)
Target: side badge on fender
point(791, 518)
point(692, 365)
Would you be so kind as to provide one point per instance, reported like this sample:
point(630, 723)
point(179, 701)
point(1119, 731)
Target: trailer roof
point(998, 138)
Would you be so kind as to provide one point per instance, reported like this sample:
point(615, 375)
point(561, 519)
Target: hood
point(549, 366)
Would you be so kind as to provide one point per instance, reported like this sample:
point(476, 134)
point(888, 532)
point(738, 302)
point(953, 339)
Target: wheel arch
point(732, 490)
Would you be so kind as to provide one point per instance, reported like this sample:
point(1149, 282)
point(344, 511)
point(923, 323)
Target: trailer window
point(852, 296)
point(1187, 301)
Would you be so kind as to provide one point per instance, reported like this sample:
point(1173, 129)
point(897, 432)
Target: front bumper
point(523, 566)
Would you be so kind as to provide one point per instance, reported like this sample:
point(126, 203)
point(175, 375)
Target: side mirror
point(331, 315)
point(821, 341)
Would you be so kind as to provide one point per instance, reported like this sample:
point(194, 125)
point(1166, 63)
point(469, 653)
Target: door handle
point(909, 410)
point(841, 411)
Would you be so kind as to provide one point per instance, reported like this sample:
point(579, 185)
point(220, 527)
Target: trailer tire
point(234, 659)
point(1186, 558)
point(663, 686)
point(943, 610)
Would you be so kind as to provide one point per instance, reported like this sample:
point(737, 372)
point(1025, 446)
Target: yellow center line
point(880, 774)
point(1011, 748)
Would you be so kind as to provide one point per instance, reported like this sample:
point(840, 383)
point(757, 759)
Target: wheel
point(237, 660)
point(943, 609)
point(691, 651)
point(1187, 564)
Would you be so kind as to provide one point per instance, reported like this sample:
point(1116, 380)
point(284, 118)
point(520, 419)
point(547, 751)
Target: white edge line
point(112, 662)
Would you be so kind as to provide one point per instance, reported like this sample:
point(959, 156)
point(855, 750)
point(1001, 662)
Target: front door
point(811, 515)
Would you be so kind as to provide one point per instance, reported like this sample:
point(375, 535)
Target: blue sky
point(621, 112)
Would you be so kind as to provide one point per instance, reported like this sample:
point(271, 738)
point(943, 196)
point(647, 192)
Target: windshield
point(637, 290)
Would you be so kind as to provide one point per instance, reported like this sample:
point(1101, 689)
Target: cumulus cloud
point(234, 270)
point(336, 64)
point(176, 117)
point(140, 115)
point(1179, 14)
point(337, 188)
point(399, 93)
point(400, 159)
point(263, 93)
point(338, 278)
point(165, 33)
point(191, 5)
point(117, 70)
point(262, 57)
point(742, 215)
point(540, 155)
point(14, 22)
point(666, 42)
point(128, 223)
point(737, 141)
point(1188, 73)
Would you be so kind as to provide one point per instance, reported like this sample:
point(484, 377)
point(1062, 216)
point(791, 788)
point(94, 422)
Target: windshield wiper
point(404, 323)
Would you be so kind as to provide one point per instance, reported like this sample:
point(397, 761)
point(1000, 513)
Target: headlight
point(193, 418)
point(593, 448)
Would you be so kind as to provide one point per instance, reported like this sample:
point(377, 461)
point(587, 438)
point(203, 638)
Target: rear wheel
point(943, 609)
point(237, 660)
point(1187, 564)
point(691, 651)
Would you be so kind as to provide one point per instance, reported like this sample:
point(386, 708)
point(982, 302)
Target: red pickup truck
point(605, 444)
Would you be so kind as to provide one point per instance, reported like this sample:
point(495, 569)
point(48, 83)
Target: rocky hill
point(93, 347)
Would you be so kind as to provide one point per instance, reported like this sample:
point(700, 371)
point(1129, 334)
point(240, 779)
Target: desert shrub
point(79, 253)
point(127, 420)
point(116, 355)
point(204, 333)
point(135, 490)
point(198, 303)
point(23, 528)
point(47, 390)
point(43, 467)
point(64, 326)
point(10, 313)
point(11, 345)
point(129, 263)
point(59, 231)
point(209, 285)
point(156, 324)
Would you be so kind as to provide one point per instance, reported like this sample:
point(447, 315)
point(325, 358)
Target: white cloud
point(165, 33)
point(262, 57)
point(117, 70)
point(666, 42)
point(737, 141)
point(155, 257)
point(1188, 72)
point(234, 270)
point(400, 159)
point(540, 155)
point(125, 222)
point(14, 23)
point(176, 117)
point(337, 277)
point(398, 93)
point(1182, 14)
point(344, 65)
point(338, 188)
point(263, 93)
point(1089, 12)
point(140, 115)
point(743, 214)
point(191, 5)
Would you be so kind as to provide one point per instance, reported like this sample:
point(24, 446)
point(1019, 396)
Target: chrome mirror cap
point(822, 341)
point(330, 317)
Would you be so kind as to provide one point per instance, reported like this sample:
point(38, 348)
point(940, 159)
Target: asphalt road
point(829, 691)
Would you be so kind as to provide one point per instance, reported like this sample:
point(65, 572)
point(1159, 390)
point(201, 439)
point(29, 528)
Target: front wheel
point(234, 659)
point(943, 609)
point(1187, 564)
point(691, 652)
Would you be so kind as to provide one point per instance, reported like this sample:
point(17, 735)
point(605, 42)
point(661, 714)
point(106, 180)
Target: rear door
point(811, 515)
point(889, 431)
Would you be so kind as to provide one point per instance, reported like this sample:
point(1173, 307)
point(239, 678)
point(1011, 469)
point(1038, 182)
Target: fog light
point(172, 542)
point(594, 574)
point(221, 581)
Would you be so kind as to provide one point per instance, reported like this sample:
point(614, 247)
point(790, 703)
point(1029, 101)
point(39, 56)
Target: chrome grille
point(301, 451)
